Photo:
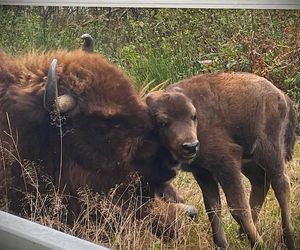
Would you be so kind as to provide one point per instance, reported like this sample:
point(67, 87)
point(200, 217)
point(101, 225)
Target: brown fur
point(109, 139)
point(245, 124)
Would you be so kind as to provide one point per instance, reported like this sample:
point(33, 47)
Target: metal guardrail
point(20, 234)
point(223, 4)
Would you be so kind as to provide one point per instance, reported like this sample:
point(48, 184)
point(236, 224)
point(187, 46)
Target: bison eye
point(163, 124)
point(194, 117)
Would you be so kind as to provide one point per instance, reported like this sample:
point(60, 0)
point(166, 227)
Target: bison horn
point(88, 43)
point(52, 101)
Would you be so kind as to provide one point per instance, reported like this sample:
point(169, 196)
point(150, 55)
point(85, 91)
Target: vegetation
point(100, 221)
point(166, 44)
point(158, 45)
point(155, 46)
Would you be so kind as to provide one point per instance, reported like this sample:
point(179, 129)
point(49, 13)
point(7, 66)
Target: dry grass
point(100, 219)
point(269, 220)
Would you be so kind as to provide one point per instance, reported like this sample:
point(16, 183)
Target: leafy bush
point(161, 45)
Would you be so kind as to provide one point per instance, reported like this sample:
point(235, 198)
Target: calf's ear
point(177, 89)
point(151, 100)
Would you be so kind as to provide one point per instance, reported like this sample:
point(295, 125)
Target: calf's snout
point(190, 147)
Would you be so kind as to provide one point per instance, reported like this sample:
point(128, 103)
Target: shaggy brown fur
point(245, 124)
point(105, 142)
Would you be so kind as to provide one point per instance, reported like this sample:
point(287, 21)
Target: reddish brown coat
point(108, 139)
point(245, 124)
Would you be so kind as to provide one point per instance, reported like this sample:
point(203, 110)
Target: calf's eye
point(194, 117)
point(163, 124)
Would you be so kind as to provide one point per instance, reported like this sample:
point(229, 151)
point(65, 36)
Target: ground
point(198, 233)
point(125, 232)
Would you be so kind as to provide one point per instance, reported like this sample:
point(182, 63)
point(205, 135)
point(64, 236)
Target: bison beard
point(98, 133)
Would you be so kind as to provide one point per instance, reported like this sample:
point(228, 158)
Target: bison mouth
point(184, 157)
point(188, 150)
point(188, 157)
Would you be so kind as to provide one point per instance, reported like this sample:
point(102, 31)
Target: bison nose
point(190, 147)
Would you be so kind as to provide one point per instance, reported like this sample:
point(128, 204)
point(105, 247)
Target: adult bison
point(245, 124)
point(81, 122)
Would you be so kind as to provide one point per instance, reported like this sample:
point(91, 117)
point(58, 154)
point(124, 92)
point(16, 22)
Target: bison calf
point(245, 125)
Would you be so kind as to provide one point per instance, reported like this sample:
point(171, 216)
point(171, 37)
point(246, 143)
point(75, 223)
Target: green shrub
point(158, 45)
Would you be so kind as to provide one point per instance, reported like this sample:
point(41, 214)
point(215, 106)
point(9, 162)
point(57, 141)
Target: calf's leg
point(212, 202)
point(281, 187)
point(271, 156)
point(229, 176)
point(260, 185)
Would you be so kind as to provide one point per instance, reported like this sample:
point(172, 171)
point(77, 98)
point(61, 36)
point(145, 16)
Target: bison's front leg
point(168, 193)
point(166, 219)
point(212, 202)
point(163, 216)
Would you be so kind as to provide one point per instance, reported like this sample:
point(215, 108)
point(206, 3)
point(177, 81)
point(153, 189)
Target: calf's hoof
point(241, 235)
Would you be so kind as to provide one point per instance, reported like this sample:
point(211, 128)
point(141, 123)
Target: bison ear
point(88, 43)
point(151, 99)
point(177, 89)
point(52, 101)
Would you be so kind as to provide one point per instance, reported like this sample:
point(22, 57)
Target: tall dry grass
point(105, 223)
